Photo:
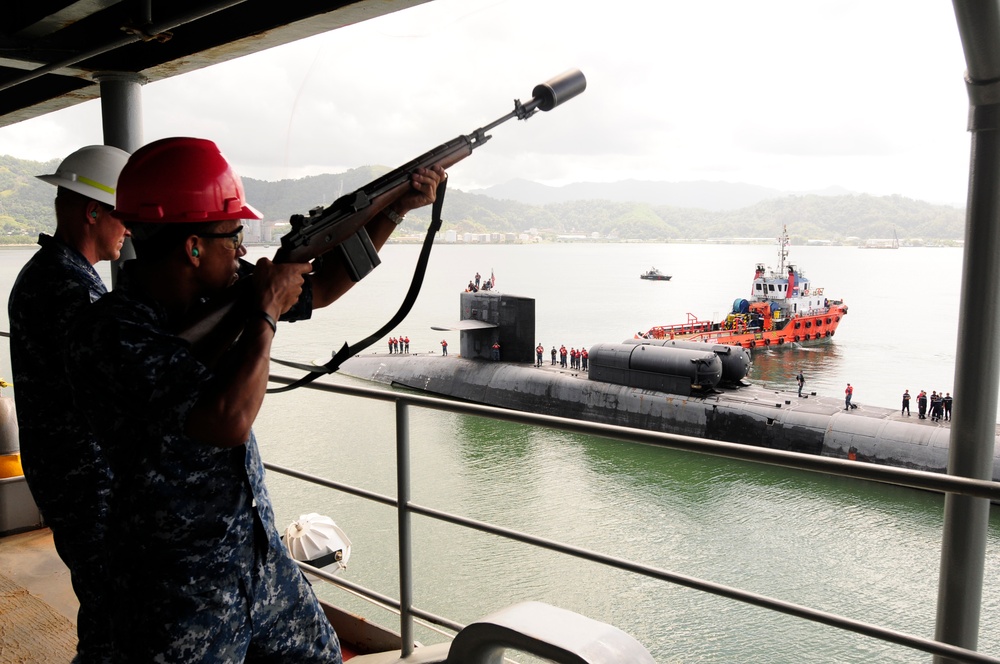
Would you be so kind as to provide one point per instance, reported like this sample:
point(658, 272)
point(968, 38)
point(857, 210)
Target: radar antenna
point(782, 249)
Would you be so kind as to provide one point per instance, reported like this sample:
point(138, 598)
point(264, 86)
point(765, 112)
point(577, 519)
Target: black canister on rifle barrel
point(560, 89)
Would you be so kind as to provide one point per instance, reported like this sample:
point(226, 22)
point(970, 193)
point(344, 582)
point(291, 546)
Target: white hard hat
point(91, 171)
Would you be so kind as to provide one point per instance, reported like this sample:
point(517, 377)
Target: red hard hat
point(180, 180)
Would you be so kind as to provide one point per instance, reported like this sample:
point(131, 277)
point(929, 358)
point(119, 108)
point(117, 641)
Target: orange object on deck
point(10, 466)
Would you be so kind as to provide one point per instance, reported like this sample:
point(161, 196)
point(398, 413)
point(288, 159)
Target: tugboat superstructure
point(783, 308)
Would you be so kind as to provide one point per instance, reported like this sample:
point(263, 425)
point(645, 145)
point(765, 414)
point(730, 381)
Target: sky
point(866, 95)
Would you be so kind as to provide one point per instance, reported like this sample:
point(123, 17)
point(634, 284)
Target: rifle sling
point(411, 296)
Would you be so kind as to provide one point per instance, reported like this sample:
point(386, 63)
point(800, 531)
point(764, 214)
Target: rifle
point(328, 227)
point(341, 225)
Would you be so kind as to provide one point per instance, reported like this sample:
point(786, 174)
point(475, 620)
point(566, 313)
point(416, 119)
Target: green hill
point(26, 210)
point(25, 201)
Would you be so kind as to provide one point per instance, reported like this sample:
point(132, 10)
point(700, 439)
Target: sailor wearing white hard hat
point(64, 466)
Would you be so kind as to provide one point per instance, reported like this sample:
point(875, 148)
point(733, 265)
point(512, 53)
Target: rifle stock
point(324, 229)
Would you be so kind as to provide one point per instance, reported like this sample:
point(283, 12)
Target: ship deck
point(809, 402)
point(37, 604)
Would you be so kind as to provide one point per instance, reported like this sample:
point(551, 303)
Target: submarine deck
point(811, 402)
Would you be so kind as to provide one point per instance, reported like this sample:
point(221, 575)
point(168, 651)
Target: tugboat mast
point(782, 249)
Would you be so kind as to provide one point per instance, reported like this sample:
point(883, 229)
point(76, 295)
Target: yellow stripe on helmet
point(95, 184)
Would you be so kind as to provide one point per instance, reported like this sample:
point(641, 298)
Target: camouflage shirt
point(63, 463)
point(188, 510)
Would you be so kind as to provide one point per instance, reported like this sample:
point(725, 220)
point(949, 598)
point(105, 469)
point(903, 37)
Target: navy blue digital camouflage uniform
point(201, 573)
point(63, 464)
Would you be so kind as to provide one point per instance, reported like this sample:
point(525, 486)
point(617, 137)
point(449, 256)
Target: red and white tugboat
point(784, 308)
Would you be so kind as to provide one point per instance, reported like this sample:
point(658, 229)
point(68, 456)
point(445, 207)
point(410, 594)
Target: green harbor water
point(866, 551)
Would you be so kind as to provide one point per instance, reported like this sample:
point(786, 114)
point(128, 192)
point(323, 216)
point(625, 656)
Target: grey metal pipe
point(121, 117)
point(963, 547)
point(977, 23)
point(121, 109)
point(973, 431)
point(405, 530)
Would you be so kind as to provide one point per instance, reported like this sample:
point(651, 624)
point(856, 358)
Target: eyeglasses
point(235, 237)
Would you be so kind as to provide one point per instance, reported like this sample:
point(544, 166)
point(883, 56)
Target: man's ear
point(192, 250)
point(92, 210)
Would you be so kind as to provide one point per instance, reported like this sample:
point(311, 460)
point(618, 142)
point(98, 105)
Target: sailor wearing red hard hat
point(204, 576)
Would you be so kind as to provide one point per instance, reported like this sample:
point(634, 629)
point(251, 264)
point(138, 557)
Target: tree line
point(26, 211)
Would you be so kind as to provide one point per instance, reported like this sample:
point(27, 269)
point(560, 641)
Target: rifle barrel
point(544, 97)
point(325, 228)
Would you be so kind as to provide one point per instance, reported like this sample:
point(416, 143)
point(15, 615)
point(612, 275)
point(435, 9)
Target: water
point(866, 551)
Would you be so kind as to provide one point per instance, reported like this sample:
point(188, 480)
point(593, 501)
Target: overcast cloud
point(868, 95)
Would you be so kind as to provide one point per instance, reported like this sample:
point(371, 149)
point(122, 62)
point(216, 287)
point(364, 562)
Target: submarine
point(682, 387)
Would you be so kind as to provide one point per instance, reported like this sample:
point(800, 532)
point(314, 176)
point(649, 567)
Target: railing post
point(405, 535)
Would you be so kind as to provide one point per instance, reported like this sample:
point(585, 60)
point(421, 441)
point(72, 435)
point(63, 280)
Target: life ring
point(819, 335)
point(809, 323)
point(819, 322)
point(828, 333)
point(827, 321)
point(796, 337)
point(781, 340)
point(767, 342)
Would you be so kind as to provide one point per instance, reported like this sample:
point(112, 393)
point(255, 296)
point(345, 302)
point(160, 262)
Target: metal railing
point(836, 467)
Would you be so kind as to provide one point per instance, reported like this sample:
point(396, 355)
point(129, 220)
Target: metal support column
point(121, 109)
point(121, 114)
point(405, 533)
point(973, 429)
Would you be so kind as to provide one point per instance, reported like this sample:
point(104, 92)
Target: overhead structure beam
point(147, 32)
point(50, 52)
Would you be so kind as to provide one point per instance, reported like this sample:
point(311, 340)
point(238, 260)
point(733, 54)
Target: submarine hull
point(750, 415)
